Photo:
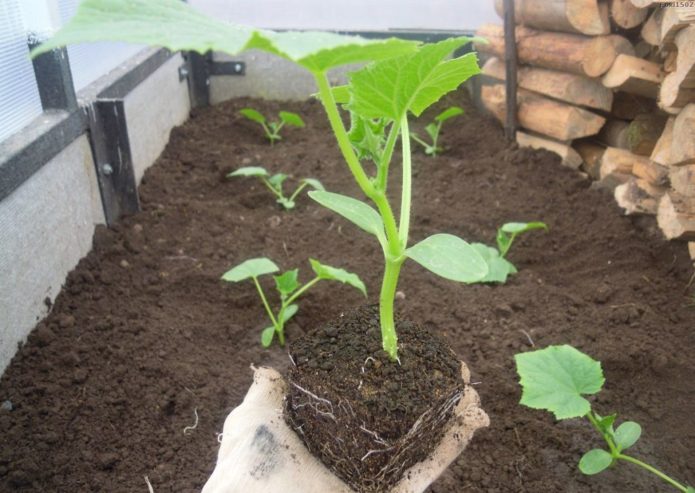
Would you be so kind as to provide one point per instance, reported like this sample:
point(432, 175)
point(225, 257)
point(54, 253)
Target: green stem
point(301, 291)
point(275, 191)
point(406, 192)
point(386, 300)
point(594, 421)
point(509, 245)
point(420, 141)
point(654, 471)
point(266, 305)
point(383, 172)
point(298, 191)
point(341, 135)
point(435, 139)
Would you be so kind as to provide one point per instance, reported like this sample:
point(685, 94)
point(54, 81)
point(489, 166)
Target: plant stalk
point(265, 303)
point(654, 471)
point(387, 297)
point(406, 192)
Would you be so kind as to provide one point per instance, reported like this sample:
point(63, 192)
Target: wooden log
point(662, 150)
point(621, 162)
point(644, 132)
point(683, 141)
point(569, 156)
point(591, 154)
point(614, 134)
point(676, 216)
point(651, 29)
point(678, 88)
point(545, 116)
point(671, 24)
point(625, 15)
point(634, 75)
point(571, 88)
point(627, 106)
point(682, 179)
point(636, 196)
point(643, 4)
point(691, 250)
point(574, 53)
point(572, 16)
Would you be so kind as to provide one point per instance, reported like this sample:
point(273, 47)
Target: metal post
point(511, 61)
point(54, 79)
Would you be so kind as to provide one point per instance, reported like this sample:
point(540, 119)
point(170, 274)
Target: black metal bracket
point(228, 68)
point(113, 159)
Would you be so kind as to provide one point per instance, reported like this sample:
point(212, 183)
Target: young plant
point(555, 379)
point(400, 78)
point(433, 129)
point(274, 183)
point(499, 267)
point(289, 289)
point(272, 129)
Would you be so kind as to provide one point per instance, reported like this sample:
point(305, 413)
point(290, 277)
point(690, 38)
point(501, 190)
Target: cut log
point(682, 179)
point(614, 134)
point(574, 53)
point(570, 157)
point(545, 116)
point(676, 216)
point(572, 16)
point(683, 142)
point(644, 132)
point(691, 250)
point(572, 88)
point(634, 75)
point(625, 15)
point(662, 150)
point(628, 106)
point(651, 29)
point(637, 196)
point(678, 88)
point(671, 24)
point(591, 156)
point(622, 162)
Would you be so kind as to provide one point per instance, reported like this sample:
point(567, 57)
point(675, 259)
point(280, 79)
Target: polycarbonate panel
point(19, 96)
point(90, 61)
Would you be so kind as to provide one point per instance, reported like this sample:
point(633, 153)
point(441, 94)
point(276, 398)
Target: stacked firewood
point(610, 87)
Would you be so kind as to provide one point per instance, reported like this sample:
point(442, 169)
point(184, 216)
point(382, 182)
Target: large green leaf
point(254, 267)
point(555, 378)
point(595, 461)
point(353, 210)
point(498, 267)
point(410, 82)
point(249, 171)
point(175, 25)
point(450, 257)
point(335, 274)
point(287, 283)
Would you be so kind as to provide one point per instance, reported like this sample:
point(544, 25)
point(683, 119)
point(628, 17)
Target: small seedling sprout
point(499, 267)
point(556, 379)
point(272, 128)
point(288, 288)
point(274, 183)
point(433, 130)
point(399, 78)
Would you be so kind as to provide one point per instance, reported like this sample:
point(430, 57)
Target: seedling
point(272, 129)
point(289, 289)
point(499, 267)
point(400, 78)
point(555, 379)
point(274, 183)
point(433, 129)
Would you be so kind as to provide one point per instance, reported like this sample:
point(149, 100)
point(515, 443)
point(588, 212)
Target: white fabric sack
point(261, 454)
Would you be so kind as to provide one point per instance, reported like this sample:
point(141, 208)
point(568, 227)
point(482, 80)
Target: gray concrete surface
point(46, 227)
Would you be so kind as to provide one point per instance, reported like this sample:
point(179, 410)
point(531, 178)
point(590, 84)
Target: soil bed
point(144, 335)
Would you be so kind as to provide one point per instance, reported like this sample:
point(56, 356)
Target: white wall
point(46, 227)
point(354, 15)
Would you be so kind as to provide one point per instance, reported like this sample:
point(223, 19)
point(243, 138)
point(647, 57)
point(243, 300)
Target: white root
point(188, 429)
point(149, 485)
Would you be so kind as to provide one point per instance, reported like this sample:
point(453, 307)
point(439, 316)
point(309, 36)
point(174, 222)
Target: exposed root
point(149, 485)
point(528, 337)
point(364, 365)
point(188, 429)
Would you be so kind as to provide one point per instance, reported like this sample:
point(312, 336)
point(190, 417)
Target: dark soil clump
point(144, 333)
point(356, 410)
